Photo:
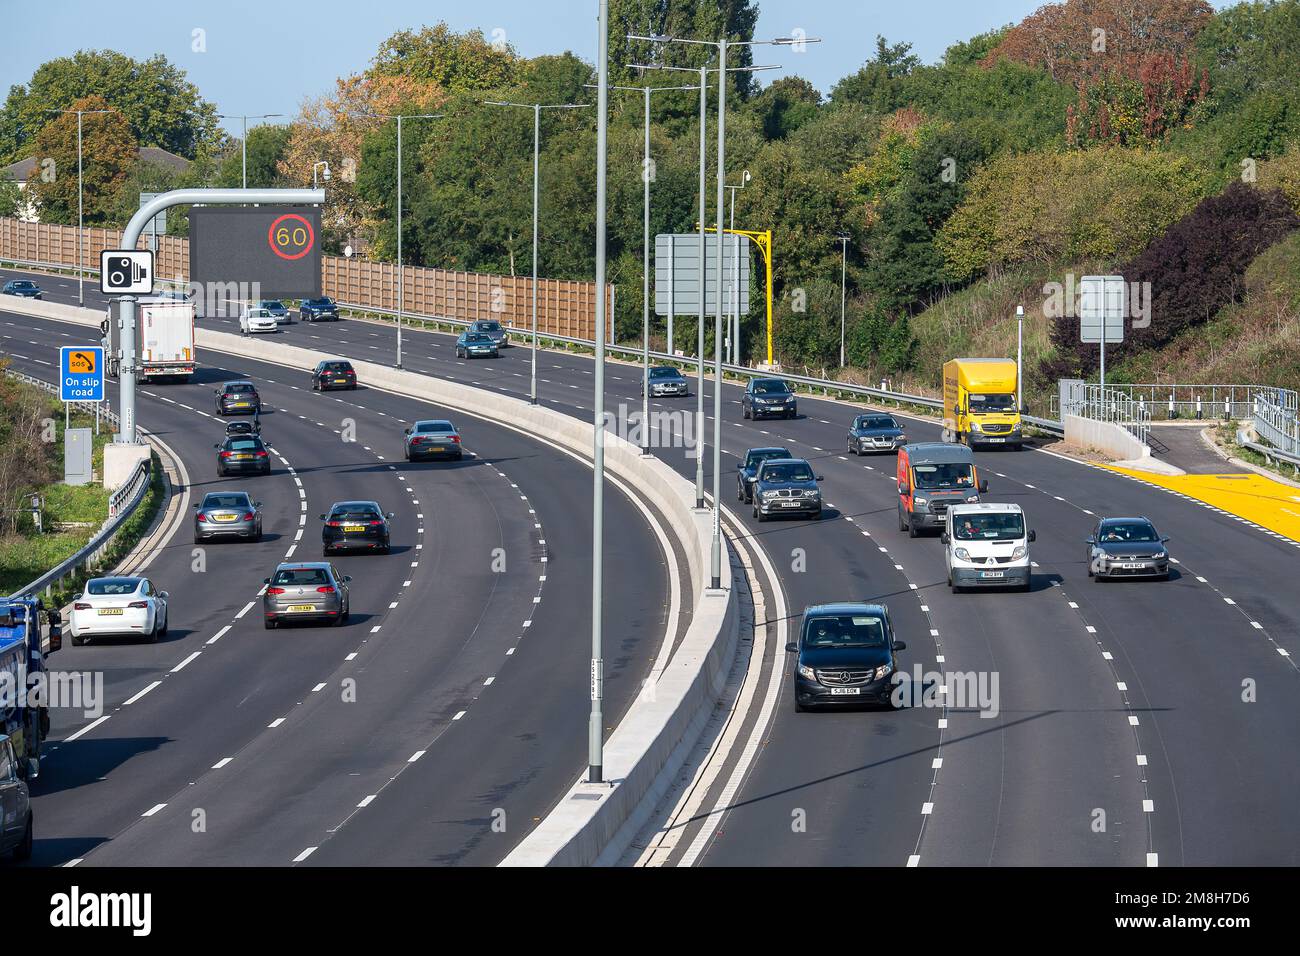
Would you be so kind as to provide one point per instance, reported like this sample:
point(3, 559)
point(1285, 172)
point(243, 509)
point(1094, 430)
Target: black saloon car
point(768, 398)
point(359, 525)
point(845, 656)
point(23, 288)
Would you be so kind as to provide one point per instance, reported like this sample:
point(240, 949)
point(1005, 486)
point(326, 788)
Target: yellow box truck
point(979, 402)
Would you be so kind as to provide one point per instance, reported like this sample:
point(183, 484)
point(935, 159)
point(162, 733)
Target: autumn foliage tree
point(108, 152)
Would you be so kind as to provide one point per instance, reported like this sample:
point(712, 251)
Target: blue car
point(873, 433)
point(23, 288)
point(476, 345)
point(323, 309)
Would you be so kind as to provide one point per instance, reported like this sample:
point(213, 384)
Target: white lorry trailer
point(165, 337)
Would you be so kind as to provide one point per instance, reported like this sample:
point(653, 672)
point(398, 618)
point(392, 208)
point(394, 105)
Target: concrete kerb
point(660, 728)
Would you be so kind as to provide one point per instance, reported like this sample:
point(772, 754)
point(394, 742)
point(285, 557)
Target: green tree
point(11, 198)
point(689, 19)
point(266, 150)
point(880, 84)
point(109, 153)
point(161, 106)
point(456, 62)
point(785, 106)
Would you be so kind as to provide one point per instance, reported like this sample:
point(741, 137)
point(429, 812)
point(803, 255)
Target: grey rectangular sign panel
point(274, 250)
point(685, 256)
point(158, 224)
point(1102, 304)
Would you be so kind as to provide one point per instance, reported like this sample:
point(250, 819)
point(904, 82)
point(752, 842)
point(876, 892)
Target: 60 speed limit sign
point(259, 252)
point(291, 236)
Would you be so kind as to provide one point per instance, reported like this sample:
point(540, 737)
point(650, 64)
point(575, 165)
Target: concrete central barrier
point(592, 823)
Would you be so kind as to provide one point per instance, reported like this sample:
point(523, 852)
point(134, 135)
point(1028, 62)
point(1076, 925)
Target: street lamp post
point(715, 563)
point(844, 263)
point(81, 229)
point(318, 165)
point(1020, 338)
point(401, 285)
point(537, 139)
point(243, 143)
point(734, 335)
point(645, 311)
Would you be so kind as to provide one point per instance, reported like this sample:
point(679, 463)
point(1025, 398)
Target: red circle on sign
point(311, 236)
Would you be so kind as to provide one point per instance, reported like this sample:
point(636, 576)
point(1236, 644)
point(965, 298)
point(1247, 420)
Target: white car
point(257, 320)
point(118, 607)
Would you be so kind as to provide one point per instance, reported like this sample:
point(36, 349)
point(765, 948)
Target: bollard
point(1173, 412)
point(1227, 410)
point(1198, 408)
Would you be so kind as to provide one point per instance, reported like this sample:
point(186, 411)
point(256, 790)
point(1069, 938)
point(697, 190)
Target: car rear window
point(337, 367)
point(424, 428)
point(300, 576)
point(243, 444)
point(354, 514)
point(225, 501)
point(111, 586)
point(239, 389)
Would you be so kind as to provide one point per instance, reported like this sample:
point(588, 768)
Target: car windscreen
point(993, 403)
point(425, 428)
point(989, 526)
point(240, 388)
point(225, 501)
point(844, 630)
point(948, 475)
point(318, 303)
point(796, 471)
point(770, 387)
point(301, 576)
point(756, 458)
point(1128, 533)
point(24, 285)
point(487, 326)
point(272, 304)
point(478, 339)
point(665, 373)
point(112, 586)
point(876, 421)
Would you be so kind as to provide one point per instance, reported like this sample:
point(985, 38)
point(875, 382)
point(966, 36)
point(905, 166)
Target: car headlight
point(961, 554)
point(1016, 427)
point(1159, 555)
point(976, 427)
point(882, 670)
point(812, 493)
point(1019, 553)
point(919, 501)
point(768, 495)
point(972, 498)
point(806, 672)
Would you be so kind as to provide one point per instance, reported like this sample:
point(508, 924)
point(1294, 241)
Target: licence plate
point(223, 517)
point(354, 527)
point(105, 611)
point(340, 381)
point(301, 607)
point(845, 691)
point(1132, 565)
point(242, 404)
point(991, 574)
point(241, 457)
point(994, 439)
point(789, 504)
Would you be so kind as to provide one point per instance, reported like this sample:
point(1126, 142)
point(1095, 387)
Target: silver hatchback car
point(227, 514)
point(306, 591)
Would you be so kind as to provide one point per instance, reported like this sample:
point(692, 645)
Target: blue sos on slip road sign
point(81, 373)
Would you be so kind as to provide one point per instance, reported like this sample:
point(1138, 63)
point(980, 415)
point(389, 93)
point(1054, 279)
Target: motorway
point(1138, 723)
point(437, 726)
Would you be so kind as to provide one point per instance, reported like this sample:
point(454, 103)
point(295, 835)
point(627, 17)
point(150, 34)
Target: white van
point(986, 545)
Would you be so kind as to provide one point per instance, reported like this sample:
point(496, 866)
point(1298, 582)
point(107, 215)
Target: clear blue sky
point(265, 56)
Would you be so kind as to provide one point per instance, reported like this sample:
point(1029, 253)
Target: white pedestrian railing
point(1109, 405)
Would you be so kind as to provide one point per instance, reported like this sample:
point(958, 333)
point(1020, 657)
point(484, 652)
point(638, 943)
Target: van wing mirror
point(902, 488)
point(984, 486)
point(944, 537)
point(1033, 536)
point(900, 645)
point(791, 648)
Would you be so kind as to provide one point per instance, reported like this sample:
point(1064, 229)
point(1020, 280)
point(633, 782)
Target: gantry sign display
point(276, 247)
